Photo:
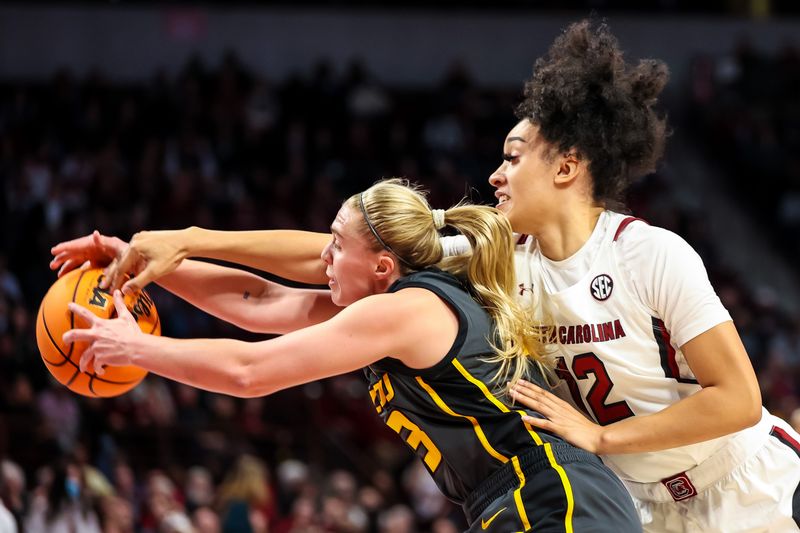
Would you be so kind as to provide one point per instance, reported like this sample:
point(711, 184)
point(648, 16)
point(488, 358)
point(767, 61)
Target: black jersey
point(448, 413)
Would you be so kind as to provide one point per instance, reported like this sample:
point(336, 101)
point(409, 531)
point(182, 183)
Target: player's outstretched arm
point(351, 340)
point(236, 296)
point(289, 254)
point(247, 300)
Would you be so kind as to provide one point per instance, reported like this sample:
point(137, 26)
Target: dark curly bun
point(584, 96)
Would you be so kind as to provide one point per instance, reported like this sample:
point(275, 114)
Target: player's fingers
point(58, 260)
point(529, 390)
point(125, 264)
point(66, 246)
point(97, 239)
point(540, 405)
point(122, 309)
point(104, 243)
point(88, 317)
point(541, 423)
point(78, 335)
point(138, 282)
point(68, 266)
point(111, 267)
point(99, 367)
point(521, 383)
point(87, 358)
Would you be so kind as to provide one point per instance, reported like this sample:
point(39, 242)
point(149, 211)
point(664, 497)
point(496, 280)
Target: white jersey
point(621, 307)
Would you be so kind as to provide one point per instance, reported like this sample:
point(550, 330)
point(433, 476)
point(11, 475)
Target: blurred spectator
point(117, 515)
point(7, 522)
point(206, 520)
point(61, 504)
point(12, 490)
point(245, 499)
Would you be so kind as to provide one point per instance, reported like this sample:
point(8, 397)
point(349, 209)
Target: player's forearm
point(247, 300)
point(710, 413)
point(226, 293)
point(216, 365)
point(289, 254)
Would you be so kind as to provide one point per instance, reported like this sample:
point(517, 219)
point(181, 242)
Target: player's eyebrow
point(512, 139)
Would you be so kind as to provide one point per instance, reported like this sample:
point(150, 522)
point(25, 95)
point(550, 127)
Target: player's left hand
point(111, 341)
point(96, 249)
point(561, 419)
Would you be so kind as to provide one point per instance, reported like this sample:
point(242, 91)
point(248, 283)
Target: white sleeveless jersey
point(617, 328)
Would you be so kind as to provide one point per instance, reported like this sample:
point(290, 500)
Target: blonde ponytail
point(490, 270)
point(399, 218)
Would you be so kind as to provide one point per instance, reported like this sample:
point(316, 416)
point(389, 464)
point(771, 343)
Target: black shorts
point(583, 495)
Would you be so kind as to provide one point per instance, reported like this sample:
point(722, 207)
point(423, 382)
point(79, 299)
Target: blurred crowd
point(746, 104)
point(229, 149)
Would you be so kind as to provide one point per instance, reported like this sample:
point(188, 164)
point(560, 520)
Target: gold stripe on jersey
point(536, 438)
point(475, 425)
point(486, 446)
point(526, 524)
point(548, 449)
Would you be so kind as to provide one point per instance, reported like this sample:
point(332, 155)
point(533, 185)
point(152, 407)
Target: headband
point(378, 237)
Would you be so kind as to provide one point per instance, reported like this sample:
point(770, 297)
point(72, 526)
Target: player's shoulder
point(636, 236)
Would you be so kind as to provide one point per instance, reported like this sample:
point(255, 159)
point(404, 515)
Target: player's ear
point(570, 165)
point(385, 266)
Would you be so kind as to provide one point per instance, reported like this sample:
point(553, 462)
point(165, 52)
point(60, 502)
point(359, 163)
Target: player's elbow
point(753, 410)
point(748, 406)
point(242, 382)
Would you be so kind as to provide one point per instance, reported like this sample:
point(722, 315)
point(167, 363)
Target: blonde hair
point(247, 481)
point(398, 218)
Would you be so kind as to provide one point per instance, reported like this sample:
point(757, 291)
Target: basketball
point(54, 319)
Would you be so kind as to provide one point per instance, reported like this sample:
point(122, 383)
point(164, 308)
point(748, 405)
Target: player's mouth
point(502, 198)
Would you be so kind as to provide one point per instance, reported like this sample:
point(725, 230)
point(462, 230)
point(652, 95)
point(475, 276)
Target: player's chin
point(337, 297)
point(507, 208)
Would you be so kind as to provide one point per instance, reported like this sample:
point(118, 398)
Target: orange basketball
point(54, 319)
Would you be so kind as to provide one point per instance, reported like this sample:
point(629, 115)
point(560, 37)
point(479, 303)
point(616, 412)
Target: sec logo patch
point(601, 287)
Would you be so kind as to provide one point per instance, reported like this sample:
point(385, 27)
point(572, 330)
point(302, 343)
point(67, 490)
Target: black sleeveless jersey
point(447, 413)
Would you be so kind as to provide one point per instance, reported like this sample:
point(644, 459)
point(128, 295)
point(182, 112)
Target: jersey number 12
point(583, 365)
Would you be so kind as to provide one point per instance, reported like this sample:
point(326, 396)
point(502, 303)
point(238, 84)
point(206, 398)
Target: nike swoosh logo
point(485, 523)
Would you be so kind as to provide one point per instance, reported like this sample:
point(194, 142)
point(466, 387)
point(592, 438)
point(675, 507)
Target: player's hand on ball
point(111, 341)
point(149, 256)
point(96, 249)
point(561, 419)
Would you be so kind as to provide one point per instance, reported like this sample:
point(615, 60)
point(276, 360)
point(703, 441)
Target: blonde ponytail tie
point(438, 218)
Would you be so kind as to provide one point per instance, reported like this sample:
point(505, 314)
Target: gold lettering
point(381, 393)
point(398, 421)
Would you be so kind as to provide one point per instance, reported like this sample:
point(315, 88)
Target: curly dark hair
point(584, 96)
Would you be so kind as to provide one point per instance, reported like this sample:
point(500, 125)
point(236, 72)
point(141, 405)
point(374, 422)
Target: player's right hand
point(96, 249)
point(149, 256)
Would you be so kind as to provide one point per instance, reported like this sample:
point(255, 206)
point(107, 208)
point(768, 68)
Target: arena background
point(123, 116)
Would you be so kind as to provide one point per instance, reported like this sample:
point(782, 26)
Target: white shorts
point(750, 485)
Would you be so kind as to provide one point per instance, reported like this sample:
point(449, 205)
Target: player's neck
point(568, 231)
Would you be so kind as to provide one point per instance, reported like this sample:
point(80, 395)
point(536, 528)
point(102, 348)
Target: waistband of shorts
point(506, 478)
point(736, 451)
